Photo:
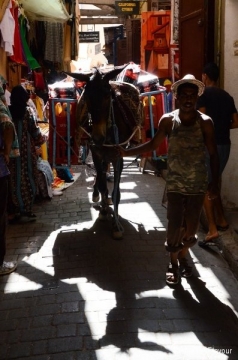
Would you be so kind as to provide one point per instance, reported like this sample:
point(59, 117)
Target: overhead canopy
point(46, 10)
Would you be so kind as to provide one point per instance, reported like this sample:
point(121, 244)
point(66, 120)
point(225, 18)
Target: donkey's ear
point(113, 73)
point(80, 76)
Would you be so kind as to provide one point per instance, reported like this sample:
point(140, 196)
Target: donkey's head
point(97, 95)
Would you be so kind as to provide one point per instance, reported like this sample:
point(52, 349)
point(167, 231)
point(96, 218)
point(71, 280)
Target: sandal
point(172, 275)
point(222, 228)
point(207, 243)
point(29, 214)
point(185, 269)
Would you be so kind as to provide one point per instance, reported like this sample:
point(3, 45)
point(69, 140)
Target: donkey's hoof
point(109, 201)
point(95, 198)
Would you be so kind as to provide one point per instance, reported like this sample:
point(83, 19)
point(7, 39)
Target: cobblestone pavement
point(79, 294)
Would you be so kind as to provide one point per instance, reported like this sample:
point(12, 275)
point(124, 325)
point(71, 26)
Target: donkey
point(109, 113)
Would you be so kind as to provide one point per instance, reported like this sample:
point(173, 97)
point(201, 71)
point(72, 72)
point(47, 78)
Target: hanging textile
point(36, 40)
point(46, 10)
point(7, 28)
point(17, 56)
point(31, 61)
point(54, 42)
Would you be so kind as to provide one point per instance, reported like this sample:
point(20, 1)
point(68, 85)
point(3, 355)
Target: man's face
point(187, 99)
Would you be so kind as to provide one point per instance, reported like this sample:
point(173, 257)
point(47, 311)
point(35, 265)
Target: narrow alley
point(77, 294)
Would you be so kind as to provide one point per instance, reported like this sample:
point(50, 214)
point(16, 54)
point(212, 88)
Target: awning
point(46, 10)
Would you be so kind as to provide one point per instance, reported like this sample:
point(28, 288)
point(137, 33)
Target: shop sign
point(89, 37)
point(127, 7)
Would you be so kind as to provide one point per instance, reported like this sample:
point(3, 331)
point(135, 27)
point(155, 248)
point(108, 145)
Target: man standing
point(188, 132)
point(220, 106)
point(167, 84)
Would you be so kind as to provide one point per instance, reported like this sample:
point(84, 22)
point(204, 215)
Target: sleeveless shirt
point(187, 172)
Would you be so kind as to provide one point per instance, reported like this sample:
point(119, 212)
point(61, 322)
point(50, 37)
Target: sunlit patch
point(129, 185)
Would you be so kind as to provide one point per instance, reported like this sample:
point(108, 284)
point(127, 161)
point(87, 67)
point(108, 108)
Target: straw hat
point(191, 80)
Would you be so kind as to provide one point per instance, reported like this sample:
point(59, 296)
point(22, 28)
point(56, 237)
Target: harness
point(111, 121)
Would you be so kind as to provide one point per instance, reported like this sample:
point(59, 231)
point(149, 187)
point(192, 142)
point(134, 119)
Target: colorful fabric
point(5, 121)
point(2, 81)
point(31, 61)
point(7, 27)
point(3, 166)
point(17, 46)
point(24, 170)
point(45, 178)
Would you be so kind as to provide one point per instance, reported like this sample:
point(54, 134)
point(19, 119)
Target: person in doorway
point(23, 169)
point(7, 134)
point(220, 106)
point(189, 132)
point(167, 85)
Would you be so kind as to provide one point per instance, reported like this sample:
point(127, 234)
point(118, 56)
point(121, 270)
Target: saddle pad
point(128, 101)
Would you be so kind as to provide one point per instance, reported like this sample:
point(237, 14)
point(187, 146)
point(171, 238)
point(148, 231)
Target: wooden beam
point(98, 2)
point(89, 21)
point(97, 12)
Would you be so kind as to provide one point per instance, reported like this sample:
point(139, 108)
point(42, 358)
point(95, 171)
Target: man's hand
point(120, 151)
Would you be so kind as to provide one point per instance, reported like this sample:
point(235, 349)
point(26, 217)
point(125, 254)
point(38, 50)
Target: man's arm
point(209, 139)
point(162, 132)
point(234, 121)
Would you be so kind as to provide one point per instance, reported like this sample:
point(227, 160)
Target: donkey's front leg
point(117, 229)
point(105, 208)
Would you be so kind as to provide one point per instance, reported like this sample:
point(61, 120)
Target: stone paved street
point(77, 294)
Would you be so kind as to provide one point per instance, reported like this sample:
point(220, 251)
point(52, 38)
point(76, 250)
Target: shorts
point(183, 214)
point(223, 154)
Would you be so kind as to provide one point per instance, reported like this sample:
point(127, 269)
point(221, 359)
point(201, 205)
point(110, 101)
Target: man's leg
point(175, 234)
point(224, 153)
point(220, 216)
point(213, 208)
point(210, 214)
point(193, 207)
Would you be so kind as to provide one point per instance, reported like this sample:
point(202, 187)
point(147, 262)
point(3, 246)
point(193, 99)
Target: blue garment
point(223, 154)
point(170, 101)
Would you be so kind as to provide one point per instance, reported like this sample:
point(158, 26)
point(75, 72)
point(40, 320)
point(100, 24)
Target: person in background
point(167, 84)
point(189, 133)
point(23, 169)
point(220, 106)
point(7, 93)
point(6, 139)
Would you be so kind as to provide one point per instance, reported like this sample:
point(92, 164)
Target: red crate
point(157, 107)
point(59, 144)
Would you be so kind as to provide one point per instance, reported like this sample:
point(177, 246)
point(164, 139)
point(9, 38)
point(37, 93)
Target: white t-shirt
point(8, 97)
